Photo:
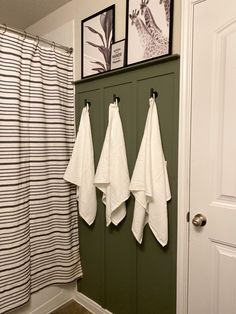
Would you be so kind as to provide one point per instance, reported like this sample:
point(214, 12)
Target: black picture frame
point(148, 39)
point(97, 35)
point(118, 54)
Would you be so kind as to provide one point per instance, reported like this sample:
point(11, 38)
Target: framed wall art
point(148, 29)
point(118, 54)
point(97, 35)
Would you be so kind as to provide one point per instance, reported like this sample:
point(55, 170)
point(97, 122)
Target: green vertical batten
point(119, 274)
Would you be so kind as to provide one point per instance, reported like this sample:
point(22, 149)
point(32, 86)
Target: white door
point(212, 251)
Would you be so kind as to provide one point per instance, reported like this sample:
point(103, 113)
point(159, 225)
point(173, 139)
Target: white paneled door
point(212, 253)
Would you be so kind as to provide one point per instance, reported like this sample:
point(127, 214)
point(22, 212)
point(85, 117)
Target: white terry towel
point(149, 183)
point(112, 175)
point(80, 170)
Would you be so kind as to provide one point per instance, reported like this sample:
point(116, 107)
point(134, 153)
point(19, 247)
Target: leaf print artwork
point(98, 37)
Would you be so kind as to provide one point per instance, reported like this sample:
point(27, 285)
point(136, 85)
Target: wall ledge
point(129, 68)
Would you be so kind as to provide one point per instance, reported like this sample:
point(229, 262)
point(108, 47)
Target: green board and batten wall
point(119, 274)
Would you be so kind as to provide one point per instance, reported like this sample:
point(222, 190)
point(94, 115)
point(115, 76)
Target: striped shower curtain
point(39, 244)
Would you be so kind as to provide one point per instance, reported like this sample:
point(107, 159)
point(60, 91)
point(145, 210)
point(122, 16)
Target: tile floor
point(71, 307)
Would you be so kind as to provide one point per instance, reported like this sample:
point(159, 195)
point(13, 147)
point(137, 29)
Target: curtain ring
point(70, 51)
point(37, 42)
point(5, 29)
point(25, 34)
point(53, 46)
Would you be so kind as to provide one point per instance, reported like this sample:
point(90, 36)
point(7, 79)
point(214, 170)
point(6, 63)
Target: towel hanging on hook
point(116, 98)
point(87, 103)
point(153, 93)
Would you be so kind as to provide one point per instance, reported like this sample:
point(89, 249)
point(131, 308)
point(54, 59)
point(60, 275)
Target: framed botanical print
point(97, 35)
point(148, 29)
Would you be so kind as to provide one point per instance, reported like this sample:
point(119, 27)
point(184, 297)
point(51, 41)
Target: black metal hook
point(153, 93)
point(86, 102)
point(116, 98)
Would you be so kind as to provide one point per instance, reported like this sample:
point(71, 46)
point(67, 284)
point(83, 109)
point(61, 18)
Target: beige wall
point(64, 25)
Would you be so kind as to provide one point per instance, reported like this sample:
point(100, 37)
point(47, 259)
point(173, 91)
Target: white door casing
point(210, 47)
point(187, 9)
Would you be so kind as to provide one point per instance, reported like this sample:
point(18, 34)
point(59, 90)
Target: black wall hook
point(153, 93)
point(86, 102)
point(116, 98)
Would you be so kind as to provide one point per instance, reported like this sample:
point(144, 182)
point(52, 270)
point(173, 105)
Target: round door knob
point(199, 220)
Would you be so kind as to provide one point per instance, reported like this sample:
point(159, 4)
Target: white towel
point(149, 183)
point(112, 175)
point(80, 170)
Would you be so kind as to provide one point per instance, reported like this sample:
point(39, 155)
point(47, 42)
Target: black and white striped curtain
point(39, 243)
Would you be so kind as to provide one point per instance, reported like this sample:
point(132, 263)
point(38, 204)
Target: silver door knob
point(199, 220)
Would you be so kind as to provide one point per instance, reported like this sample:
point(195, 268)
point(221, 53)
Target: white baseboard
point(51, 298)
point(47, 300)
point(53, 304)
point(89, 304)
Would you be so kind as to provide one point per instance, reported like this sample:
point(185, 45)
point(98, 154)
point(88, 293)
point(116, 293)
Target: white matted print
point(148, 29)
point(118, 54)
point(97, 34)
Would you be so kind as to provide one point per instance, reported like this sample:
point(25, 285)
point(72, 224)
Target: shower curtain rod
point(24, 33)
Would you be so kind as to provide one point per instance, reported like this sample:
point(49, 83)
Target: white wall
point(56, 25)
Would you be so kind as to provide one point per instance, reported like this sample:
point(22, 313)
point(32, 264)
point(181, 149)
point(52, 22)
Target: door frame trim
point(184, 153)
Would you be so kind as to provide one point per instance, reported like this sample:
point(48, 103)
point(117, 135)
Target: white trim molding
point(184, 155)
point(187, 30)
point(89, 304)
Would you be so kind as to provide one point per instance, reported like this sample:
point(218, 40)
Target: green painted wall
point(119, 274)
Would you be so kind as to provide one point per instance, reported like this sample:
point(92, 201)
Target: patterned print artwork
point(39, 243)
point(148, 29)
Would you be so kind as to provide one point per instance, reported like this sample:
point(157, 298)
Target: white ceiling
point(23, 13)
